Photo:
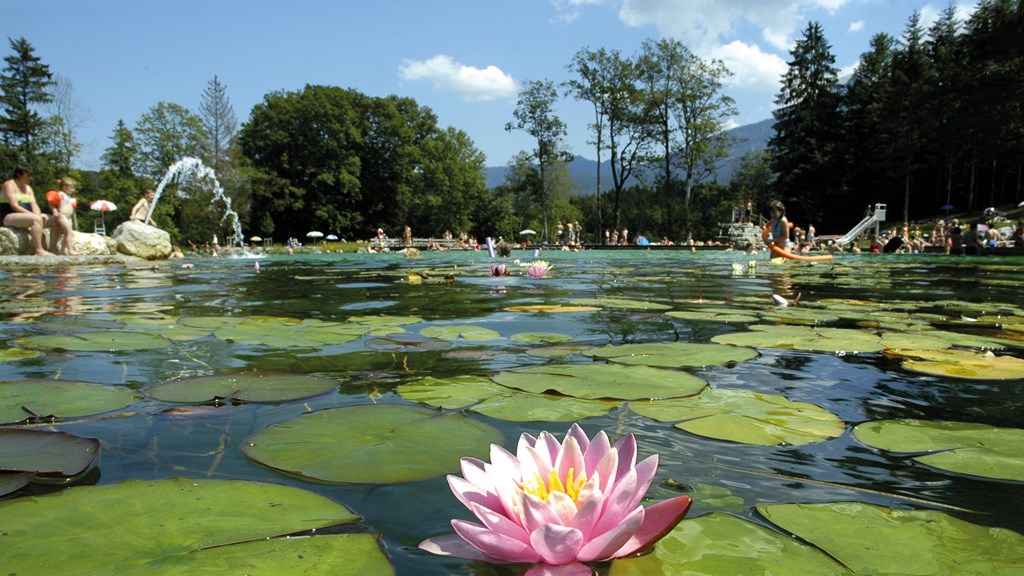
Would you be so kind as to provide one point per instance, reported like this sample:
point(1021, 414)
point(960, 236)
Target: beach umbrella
point(314, 235)
point(1020, 205)
point(526, 232)
point(947, 208)
point(331, 237)
point(255, 239)
point(103, 206)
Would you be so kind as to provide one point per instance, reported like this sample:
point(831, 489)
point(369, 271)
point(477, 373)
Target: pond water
point(895, 293)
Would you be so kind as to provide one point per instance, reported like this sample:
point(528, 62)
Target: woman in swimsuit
point(19, 208)
point(779, 225)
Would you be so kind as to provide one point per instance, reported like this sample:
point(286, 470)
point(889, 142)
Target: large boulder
point(135, 238)
point(17, 242)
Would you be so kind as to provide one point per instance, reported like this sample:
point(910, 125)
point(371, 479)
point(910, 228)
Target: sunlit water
point(147, 444)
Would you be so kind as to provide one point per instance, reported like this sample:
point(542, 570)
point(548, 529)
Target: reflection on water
point(148, 440)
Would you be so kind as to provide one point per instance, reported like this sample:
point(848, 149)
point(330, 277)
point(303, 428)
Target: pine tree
point(24, 83)
point(805, 148)
point(219, 126)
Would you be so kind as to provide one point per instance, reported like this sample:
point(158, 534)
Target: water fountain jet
point(194, 166)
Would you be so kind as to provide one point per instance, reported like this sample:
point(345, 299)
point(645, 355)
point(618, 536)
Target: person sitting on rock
point(19, 209)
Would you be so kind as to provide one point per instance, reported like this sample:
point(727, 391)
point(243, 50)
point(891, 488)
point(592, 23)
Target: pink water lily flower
point(499, 270)
point(558, 505)
point(538, 269)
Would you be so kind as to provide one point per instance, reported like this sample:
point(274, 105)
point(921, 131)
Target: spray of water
point(194, 167)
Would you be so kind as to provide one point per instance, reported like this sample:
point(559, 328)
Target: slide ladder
point(874, 216)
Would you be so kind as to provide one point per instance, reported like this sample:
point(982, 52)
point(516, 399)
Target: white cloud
point(704, 24)
point(751, 67)
point(856, 26)
point(474, 84)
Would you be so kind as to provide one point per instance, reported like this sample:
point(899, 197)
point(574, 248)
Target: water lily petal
point(570, 458)
point(591, 504)
point(645, 471)
point(537, 513)
point(454, 545)
point(659, 520)
point(501, 523)
point(626, 447)
point(503, 463)
point(617, 503)
point(469, 493)
point(581, 437)
point(571, 569)
point(597, 452)
point(494, 545)
point(556, 544)
point(563, 506)
point(605, 545)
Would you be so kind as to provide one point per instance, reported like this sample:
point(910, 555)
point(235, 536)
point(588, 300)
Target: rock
point(88, 244)
point(135, 238)
point(16, 242)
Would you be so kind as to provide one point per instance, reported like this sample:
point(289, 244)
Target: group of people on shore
point(19, 209)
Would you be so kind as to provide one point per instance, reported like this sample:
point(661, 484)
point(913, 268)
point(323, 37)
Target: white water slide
point(874, 216)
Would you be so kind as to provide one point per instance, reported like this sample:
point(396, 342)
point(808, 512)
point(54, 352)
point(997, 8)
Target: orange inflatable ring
point(780, 251)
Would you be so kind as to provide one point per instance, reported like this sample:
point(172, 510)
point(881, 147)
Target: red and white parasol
point(103, 206)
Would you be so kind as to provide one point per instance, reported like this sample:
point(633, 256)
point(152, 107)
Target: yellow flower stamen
point(541, 489)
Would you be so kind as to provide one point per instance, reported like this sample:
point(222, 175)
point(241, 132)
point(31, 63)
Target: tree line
point(928, 120)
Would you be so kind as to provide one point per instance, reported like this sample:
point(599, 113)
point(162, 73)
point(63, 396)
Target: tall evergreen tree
point(805, 148)
point(945, 102)
point(908, 101)
point(25, 83)
point(593, 84)
point(220, 126)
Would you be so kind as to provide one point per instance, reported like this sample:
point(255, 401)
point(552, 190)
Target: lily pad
point(450, 393)
point(521, 407)
point(747, 417)
point(45, 453)
point(961, 364)
point(619, 303)
point(106, 341)
point(551, 308)
point(811, 339)
point(720, 543)
point(264, 387)
point(540, 337)
point(166, 326)
point(464, 331)
point(602, 381)
point(57, 399)
point(874, 539)
point(290, 332)
point(407, 343)
point(961, 447)
point(216, 527)
point(371, 444)
point(673, 354)
point(12, 354)
point(14, 481)
point(731, 317)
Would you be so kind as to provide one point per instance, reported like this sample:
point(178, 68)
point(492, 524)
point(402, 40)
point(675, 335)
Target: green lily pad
point(107, 341)
point(371, 444)
point(540, 337)
point(384, 325)
point(551, 308)
point(520, 407)
point(407, 343)
point(961, 447)
point(801, 316)
point(450, 393)
point(720, 543)
point(602, 381)
point(874, 539)
point(913, 341)
point(264, 387)
point(166, 326)
point(747, 417)
point(559, 350)
point(12, 354)
point(961, 364)
point(673, 354)
point(14, 481)
point(61, 399)
point(811, 339)
point(737, 317)
point(619, 303)
point(45, 453)
point(210, 322)
point(464, 331)
point(216, 527)
point(289, 332)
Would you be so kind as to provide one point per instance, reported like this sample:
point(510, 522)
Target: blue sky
point(465, 59)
